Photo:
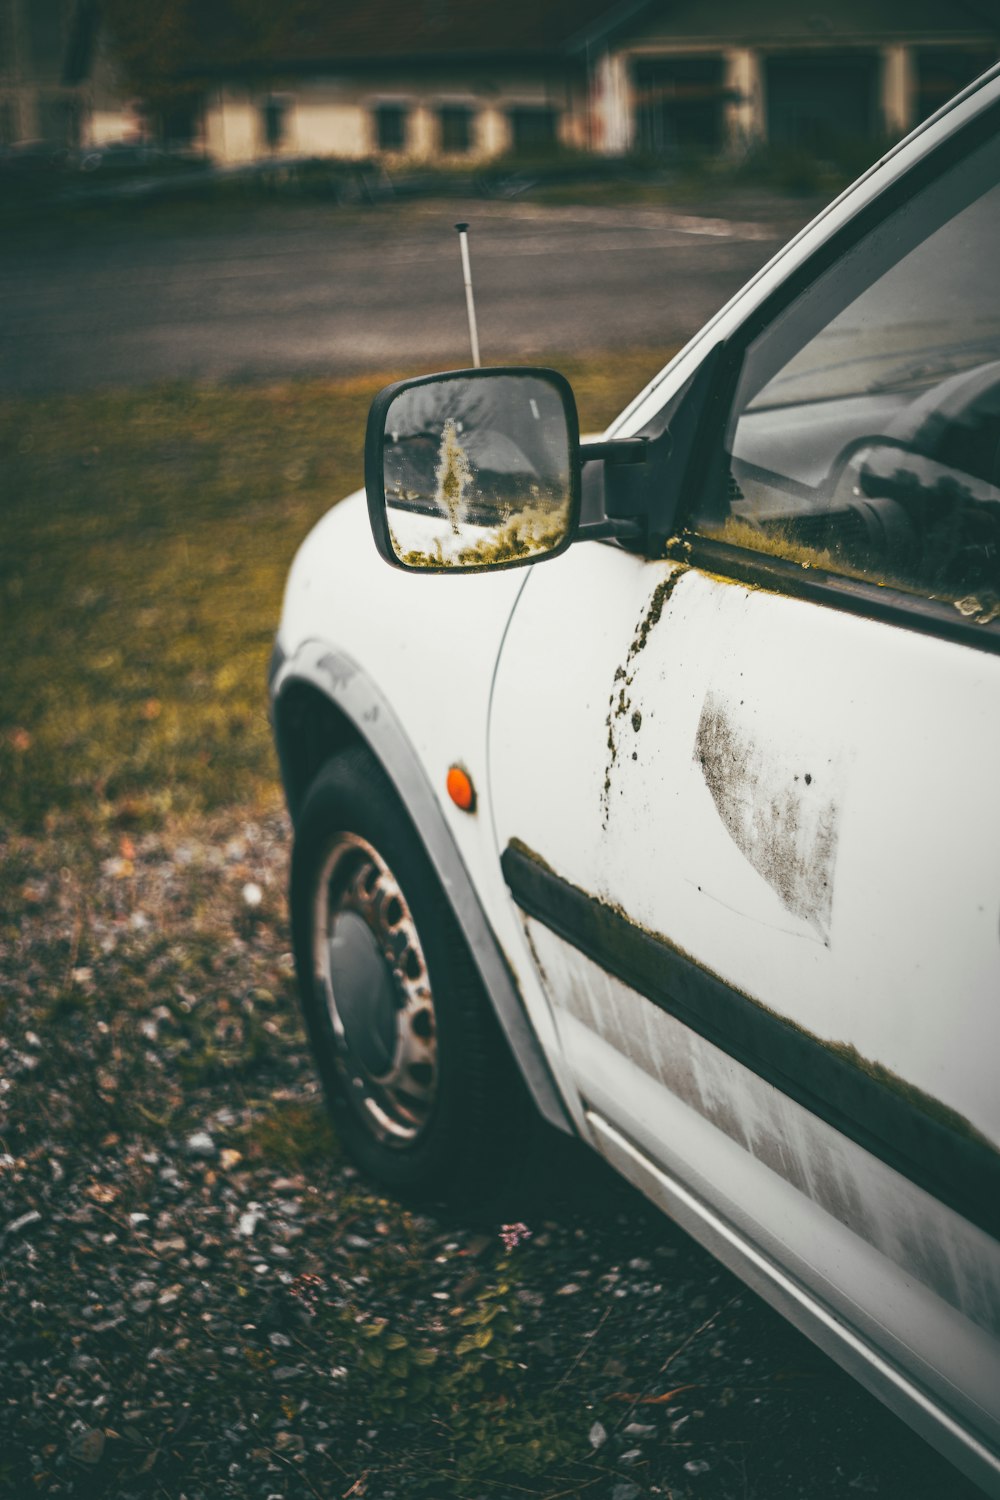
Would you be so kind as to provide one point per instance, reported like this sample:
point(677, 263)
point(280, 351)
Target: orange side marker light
point(460, 789)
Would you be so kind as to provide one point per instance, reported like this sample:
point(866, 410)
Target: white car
point(692, 835)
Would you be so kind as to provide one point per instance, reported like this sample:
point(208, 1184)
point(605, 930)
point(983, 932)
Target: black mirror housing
point(473, 470)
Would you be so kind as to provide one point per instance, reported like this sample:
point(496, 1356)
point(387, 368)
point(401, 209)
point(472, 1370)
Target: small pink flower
point(513, 1234)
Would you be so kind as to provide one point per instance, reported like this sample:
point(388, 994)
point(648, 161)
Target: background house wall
point(233, 126)
point(340, 115)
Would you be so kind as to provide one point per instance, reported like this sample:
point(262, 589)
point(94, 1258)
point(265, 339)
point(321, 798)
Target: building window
point(456, 128)
point(533, 128)
point(678, 104)
point(390, 127)
point(179, 123)
point(275, 116)
point(59, 121)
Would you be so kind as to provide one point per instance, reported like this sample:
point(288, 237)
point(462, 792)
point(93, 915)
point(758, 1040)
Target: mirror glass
point(477, 471)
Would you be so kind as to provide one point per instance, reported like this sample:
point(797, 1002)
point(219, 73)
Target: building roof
point(230, 37)
point(375, 30)
point(352, 34)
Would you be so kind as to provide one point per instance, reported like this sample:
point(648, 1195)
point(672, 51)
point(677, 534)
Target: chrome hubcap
point(370, 969)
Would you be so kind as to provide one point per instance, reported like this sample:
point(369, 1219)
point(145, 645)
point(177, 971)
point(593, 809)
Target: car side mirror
point(473, 469)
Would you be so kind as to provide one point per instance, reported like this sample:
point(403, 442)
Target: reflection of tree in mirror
point(476, 471)
point(453, 473)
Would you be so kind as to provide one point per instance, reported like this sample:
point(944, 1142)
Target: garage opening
point(678, 104)
point(815, 103)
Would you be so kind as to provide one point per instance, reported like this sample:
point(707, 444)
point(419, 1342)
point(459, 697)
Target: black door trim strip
point(927, 1142)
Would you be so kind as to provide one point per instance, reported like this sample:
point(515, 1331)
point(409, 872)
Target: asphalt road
point(314, 290)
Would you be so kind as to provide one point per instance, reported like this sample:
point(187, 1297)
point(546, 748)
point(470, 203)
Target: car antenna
point(463, 240)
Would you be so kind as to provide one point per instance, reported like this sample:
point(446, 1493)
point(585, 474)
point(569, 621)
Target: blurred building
point(436, 80)
point(723, 76)
point(471, 80)
point(423, 79)
point(57, 82)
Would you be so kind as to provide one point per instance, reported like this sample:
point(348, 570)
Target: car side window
point(864, 436)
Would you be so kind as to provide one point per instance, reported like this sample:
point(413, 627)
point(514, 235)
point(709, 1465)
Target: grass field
point(144, 541)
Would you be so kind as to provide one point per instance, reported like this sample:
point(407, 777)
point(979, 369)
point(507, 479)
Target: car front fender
point(356, 638)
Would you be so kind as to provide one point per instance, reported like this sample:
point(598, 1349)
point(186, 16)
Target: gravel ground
point(201, 1299)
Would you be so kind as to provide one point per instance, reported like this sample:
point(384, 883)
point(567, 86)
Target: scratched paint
point(785, 822)
point(621, 714)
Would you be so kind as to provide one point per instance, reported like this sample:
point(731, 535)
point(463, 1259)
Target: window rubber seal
point(873, 601)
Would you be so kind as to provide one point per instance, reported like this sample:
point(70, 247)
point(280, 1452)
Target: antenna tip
point(461, 228)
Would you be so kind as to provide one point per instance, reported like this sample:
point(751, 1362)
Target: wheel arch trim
point(345, 685)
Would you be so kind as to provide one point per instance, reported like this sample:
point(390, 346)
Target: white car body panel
point(799, 691)
point(840, 935)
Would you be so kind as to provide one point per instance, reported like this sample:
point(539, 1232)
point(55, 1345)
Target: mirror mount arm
point(618, 458)
point(615, 451)
point(618, 531)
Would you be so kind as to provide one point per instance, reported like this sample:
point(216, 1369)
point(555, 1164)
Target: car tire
point(422, 1088)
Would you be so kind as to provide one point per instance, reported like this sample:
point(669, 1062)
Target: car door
point(746, 802)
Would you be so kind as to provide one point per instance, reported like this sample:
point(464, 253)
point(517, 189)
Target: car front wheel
point(417, 1075)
